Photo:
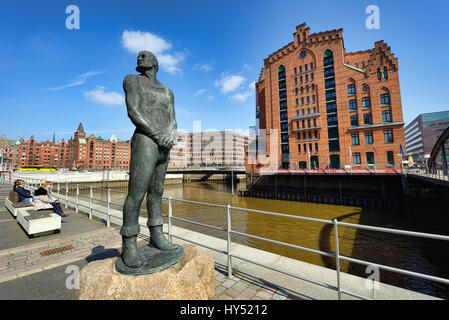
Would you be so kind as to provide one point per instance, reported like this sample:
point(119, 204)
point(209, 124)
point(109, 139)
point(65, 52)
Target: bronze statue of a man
point(150, 107)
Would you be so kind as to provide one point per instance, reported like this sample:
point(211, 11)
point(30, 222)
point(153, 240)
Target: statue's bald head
point(146, 60)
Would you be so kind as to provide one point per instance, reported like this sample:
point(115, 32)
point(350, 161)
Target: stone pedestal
point(192, 278)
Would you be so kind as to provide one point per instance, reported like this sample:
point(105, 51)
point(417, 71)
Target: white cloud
point(252, 85)
point(79, 80)
point(205, 67)
point(210, 97)
point(242, 96)
point(110, 98)
point(245, 65)
point(229, 84)
point(183, 111)
point(200, 92)
point(136, 41)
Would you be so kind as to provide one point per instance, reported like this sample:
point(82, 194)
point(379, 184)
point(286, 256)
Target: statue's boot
point(158, 239)
point(130, 255)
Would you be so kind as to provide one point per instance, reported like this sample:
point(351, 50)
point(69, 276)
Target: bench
point(36, 222)
point(14, 206)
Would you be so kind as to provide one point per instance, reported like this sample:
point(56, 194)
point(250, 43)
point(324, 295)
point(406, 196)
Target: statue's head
point(146, 60)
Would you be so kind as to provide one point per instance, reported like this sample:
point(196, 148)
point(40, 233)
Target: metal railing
point(435, 174)
point(229, 232)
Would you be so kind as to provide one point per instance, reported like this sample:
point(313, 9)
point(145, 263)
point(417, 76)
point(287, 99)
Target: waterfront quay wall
point(367, 191)
point(212, 178)
point(99, 179)
point(119, 179)
point(428, 199)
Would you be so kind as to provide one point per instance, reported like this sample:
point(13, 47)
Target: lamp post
point(1, 161)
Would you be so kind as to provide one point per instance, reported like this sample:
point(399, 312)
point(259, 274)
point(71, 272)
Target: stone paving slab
point(51, 284)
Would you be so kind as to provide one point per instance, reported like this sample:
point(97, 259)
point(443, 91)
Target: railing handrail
point(229, 231)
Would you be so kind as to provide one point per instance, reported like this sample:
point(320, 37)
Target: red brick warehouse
point(331, 109)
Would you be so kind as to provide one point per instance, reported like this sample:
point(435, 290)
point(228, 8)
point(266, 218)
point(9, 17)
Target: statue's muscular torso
point(150, 105)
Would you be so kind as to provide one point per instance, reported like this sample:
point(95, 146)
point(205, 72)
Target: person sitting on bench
point(24, 194)
point(16, 184)
point(44, 201)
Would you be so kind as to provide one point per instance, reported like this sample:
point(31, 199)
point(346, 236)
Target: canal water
point(414, 254)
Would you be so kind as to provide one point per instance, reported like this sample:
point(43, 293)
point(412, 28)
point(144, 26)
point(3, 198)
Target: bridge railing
point(434, 174)
point(228, 210)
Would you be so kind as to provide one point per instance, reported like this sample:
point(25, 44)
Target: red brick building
point(10, 152)
point(323, 107)
point(97, 153)
point(78, 152)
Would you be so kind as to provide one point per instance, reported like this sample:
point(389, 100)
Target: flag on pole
point(401, 150)
point(309, 158)
point(350, 155)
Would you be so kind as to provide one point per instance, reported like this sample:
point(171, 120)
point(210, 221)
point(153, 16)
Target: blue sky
point(210, 53)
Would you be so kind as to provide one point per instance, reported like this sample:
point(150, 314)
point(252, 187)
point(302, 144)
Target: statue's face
point(146, 60)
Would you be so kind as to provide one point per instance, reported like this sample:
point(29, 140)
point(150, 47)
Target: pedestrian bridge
point(210, 171)
point(439, 146)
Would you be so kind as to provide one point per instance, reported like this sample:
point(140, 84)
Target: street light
point(1, 161)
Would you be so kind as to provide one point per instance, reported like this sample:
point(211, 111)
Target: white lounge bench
point(36, 222)
point(13, 205)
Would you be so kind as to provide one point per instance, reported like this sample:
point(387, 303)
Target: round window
point(303, 54)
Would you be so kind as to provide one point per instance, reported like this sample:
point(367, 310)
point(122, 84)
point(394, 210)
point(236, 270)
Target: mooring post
point(340, 191)
point(305, 188)
point(276, 186)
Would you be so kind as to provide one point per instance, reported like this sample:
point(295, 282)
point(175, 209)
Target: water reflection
point(410, 253)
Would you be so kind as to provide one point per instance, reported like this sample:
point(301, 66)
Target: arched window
point(351, 89)
point(328, 58)
point(281, 72)
point(385, 97)
point(385, 73)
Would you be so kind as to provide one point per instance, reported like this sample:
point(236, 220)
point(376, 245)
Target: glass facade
point(435, 116)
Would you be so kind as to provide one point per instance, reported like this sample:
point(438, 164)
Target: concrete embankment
point(367, 191)
point(119, 179)
point(113, 179)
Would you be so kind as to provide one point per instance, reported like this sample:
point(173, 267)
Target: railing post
point(90, 202)
point(77, 197)
point(108, 223)
point(229, 242)
point(337, 258)
point(170, 214)
point(66, 194)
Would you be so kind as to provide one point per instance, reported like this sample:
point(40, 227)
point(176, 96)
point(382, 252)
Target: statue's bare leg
point(154, 203)
point(142, 164)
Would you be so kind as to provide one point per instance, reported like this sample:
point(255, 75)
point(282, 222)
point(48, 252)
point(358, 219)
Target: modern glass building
point(422, 133)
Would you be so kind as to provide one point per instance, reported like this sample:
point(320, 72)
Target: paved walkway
point(35, 268)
